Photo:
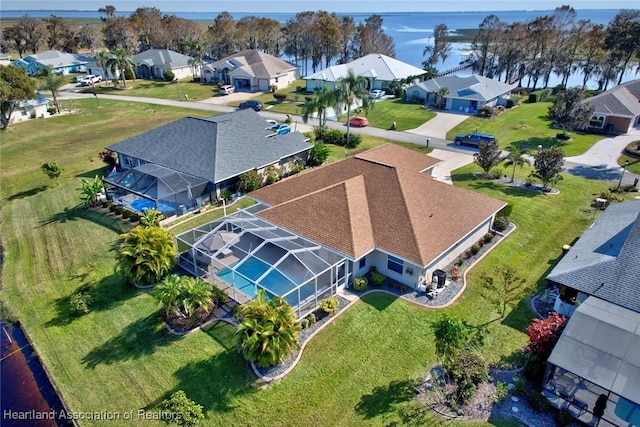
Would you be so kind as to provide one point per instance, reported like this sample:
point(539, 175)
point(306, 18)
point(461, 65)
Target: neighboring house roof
point(362, 203)
point(54, 59)
point(216, 148)
point(40, 100)
point(254, 63)
point(162, 58)
point(376, 65)
point(474, 87)
point(605, 261)
point(622, 100)
point(601, 343)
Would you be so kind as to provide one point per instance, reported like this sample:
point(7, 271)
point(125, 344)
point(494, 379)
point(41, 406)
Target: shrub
point(475, 249)
point(468, 369)
point(455, 271)
point(501, 223)
point(502, 391)
point(120, 210)
point(510, 103)
point(318, 154)
point(495, 173)
point(520, 386)
point(168, 75)
point(377, 279)
point(544, 333)
point(534, 368)
point(329, 305)
point(219, 295)
point(273, 88)
point(353, 141)
point(312, 318)
point(460, 262)
point(273, 173)
point(360, 283)
point(279, 97)
point(105, 204)
point(297, 168)
point(80, 303)
point(112, 208)
point(333, 136)
point(564, 417)
point(182, 410)
point(533, 97)
point(487, 238)
point(52, 110)
point(538, 401)
point(225, 194)
point(486, 111)
point(304, 323)
point(249, 181)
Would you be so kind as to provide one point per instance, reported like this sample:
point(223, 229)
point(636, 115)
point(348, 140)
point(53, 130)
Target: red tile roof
point(360, 203)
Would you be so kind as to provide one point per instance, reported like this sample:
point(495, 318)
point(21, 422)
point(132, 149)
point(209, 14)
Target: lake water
point(411, 32)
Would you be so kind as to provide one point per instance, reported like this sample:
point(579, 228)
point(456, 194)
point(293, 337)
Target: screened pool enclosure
point(150, 186)
point(242, 253)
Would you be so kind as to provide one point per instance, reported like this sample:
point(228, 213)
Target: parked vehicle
point(377, 93)
point(256, 105)
point(90, 79)
point(271, 123)
point(226, 89)
point(359, 121)
point(473, 138)
point(282, 129)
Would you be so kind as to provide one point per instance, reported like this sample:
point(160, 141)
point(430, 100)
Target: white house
point(252, 70)
point(30, 109)
point(152, 63)
point(379, 71)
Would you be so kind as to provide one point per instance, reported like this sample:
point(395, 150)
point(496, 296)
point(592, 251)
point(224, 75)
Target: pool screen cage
point(242, 253)
point(151, 186)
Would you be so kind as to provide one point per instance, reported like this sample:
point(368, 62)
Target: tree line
point(316, 37)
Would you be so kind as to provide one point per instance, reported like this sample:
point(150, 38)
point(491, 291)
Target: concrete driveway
point(451, 160)
point(439, 125)
point(232, 97)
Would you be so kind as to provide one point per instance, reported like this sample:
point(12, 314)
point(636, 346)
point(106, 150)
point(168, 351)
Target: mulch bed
point(180, 324)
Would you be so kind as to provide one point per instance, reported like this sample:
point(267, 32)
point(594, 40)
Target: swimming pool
point(142, 205)
point(251, 270)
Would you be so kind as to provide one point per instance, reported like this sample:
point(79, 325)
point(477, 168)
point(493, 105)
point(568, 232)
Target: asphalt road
point(600, 172)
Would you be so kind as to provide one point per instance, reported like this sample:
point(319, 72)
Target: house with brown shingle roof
point(381, 208)
point(251, 70)
point(617, 109)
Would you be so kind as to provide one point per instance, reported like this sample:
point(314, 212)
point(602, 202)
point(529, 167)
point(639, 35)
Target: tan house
point(617, 109)
point(382, 208)
point(251, 70)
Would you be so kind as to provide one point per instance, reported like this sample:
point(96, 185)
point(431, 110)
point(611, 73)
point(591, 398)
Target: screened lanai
point(242, 253)
point(151, 186)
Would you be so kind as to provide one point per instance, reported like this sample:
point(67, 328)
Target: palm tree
point(183, 294)
point(150, 218)
point(51, 82)
point(121, 62)
point(268, 331)
point(352, 89)
point(145, 255)
point(515, 157)
point(90, 190)
point(444, 91)
point(102, 59)
point(319, 103)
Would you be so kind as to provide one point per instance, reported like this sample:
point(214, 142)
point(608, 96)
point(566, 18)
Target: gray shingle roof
point(622, 100)
point(474, 87)
point(605, 261)
point(258, 64)
point(215, 148)
point(162, 58)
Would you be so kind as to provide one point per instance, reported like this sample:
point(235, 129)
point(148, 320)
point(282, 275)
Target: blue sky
point(264, 6)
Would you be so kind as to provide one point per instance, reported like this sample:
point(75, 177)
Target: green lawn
point(120, 358)
point(159, 89)
point(406, 115)
point(526, 126)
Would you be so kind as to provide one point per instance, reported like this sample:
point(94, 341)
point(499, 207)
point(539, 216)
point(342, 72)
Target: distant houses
point(463, 94)
point(251, 70)
point(617, 109)
point(61, 62)
point(378, 70)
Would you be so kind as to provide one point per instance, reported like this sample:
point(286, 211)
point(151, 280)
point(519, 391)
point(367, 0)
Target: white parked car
point(90, 79)
point(377, 93)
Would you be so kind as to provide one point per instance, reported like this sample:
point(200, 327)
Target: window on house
point(596, 121)
point(394, 264)
point(363, 262)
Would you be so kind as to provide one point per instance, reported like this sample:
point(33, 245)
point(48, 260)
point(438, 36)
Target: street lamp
point(624, 168)
point(428, 141)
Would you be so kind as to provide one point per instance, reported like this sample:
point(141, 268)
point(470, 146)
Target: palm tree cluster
point(145, 255)
point(268, 330)
point(558, 44)
point(183, 295)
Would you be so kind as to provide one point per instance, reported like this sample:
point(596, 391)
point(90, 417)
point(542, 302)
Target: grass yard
point(406, 115)
point(526, 126)
point(120, 358)
point(175, 90)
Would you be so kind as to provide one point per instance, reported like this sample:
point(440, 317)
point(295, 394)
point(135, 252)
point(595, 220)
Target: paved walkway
point(451, 160)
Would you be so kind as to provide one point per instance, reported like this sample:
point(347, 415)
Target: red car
point(359, 121)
